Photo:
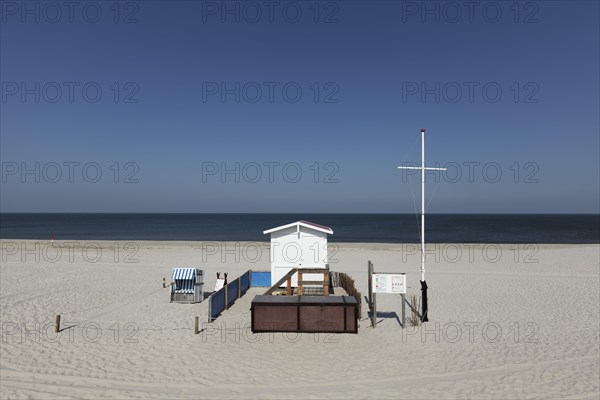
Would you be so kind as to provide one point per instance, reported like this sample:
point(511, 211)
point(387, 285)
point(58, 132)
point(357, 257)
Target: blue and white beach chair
point(187, 286)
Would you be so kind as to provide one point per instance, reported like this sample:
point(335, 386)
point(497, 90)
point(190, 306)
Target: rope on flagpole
point(412, 192)
point(416, 211)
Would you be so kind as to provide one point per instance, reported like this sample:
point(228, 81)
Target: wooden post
point(374, 310)
point(288, 290)
point(299, 283)
point(196, 326)
point(164, 283)
point(403, 310)
point(57, 324)
point(326, 284)
point(370, 282)
point(372, 297)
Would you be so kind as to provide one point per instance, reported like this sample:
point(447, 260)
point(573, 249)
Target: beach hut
point(301, 244)
point(187, 286)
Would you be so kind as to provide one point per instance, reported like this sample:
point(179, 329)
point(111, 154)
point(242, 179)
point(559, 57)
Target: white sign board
point(219, 284)
point(389, 283)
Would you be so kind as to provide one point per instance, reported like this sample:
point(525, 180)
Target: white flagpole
point(423, 205)
point(423, 169)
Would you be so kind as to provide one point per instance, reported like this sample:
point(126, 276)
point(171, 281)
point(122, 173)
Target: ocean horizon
point(368, 228)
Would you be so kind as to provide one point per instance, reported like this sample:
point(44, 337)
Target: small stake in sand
point(423, 169)
point(57, 324)
point(196, 326)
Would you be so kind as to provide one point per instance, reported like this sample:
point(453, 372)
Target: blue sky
point(309, 106)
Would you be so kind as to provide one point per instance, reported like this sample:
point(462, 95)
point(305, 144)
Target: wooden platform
point(326, 314)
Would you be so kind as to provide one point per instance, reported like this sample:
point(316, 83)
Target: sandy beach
point(506, 321)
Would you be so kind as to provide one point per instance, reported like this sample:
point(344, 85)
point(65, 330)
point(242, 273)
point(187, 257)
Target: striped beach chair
point(187, 286)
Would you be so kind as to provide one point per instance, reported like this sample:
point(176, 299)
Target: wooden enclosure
point(323, 314)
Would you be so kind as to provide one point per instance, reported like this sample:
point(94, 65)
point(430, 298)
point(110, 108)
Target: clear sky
point(182, 106)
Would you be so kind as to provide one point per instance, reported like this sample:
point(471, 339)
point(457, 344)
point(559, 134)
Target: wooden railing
point(324, 282)
point(286, 277)
point(301, 282)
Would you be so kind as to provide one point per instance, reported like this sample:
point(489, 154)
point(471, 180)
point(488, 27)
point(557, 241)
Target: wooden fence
point(227, 295)
point(343, 280)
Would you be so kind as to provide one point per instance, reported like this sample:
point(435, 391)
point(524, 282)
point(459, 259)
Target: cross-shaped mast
point(423, 169)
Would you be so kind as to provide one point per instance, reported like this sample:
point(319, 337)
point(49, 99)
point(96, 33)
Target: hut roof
point(306, 224)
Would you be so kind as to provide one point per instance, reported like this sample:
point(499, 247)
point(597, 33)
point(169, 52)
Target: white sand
point(554, 303)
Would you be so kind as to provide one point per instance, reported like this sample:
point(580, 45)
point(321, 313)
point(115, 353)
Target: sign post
point(385, 282)
point(372, 305)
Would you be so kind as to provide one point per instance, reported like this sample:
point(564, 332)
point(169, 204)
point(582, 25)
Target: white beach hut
point(301, 244)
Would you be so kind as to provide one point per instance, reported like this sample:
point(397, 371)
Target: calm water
point(385, 228)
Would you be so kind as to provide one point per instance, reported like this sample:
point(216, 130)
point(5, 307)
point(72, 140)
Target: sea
point(373, 228)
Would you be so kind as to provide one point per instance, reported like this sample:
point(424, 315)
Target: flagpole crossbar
point(427, 168)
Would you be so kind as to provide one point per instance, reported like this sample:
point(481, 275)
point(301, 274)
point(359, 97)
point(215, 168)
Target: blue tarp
point(260, 279)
